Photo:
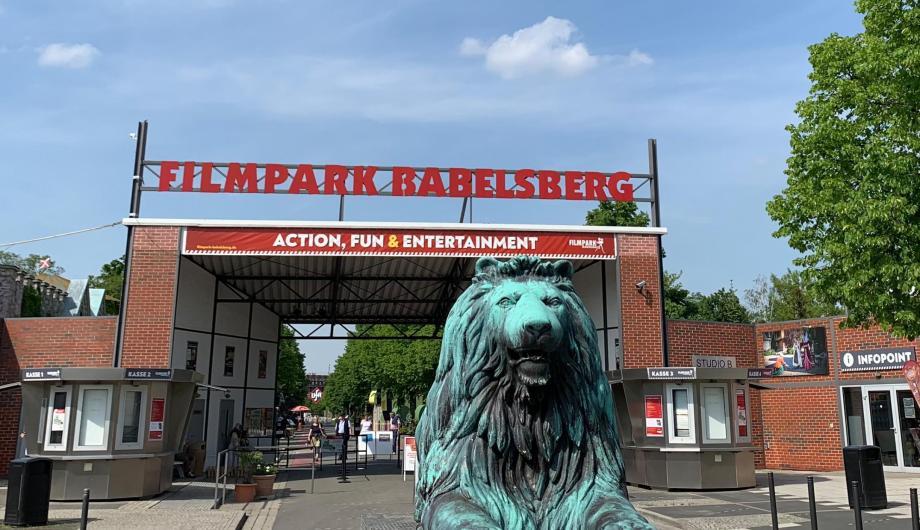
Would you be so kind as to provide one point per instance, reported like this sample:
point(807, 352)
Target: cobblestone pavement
point(750, 509)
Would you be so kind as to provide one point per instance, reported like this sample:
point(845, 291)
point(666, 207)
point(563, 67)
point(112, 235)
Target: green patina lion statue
point(518, 432)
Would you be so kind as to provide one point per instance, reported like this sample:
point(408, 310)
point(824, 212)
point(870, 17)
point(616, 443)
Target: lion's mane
point(529, 460)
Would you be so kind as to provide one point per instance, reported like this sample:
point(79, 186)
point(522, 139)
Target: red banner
point(654, 417)
point(157, 415)
point(397, 242)
point(741, 411)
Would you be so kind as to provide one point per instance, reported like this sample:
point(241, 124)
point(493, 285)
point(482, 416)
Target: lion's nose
point(538, 328)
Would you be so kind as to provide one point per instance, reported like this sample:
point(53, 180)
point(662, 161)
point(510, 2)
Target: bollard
point(857, 507)
point(914, 511)
point(813, 512)
point(84, 513)
point(773, 515)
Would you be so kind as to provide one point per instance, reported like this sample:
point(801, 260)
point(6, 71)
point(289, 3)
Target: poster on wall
point(911, 371)
point(654, 418)
point(410, 456)
point(795, 352)
point(157, 414)
point(741, 407)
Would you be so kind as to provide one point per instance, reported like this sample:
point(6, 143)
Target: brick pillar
point(148, 314)
point(640, 313)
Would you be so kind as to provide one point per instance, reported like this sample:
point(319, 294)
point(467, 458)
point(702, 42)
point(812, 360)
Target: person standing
point(395, 424)
point(343, 431)
point(366, 425)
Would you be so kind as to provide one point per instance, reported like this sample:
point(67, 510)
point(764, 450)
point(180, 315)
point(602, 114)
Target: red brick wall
point(688, 337)
point(151, 297)
point(640, 313)
point(801, 429)
point(46, 342)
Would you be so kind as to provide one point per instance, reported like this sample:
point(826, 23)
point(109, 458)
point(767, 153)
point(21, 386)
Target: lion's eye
point(506, 302)
point(554, 301)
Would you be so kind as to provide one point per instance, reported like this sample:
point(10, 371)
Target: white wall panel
point(232, 319)
point(180, 341)
point(239, 361)
point(271, 350)
point(264, 323)
point(195, 300)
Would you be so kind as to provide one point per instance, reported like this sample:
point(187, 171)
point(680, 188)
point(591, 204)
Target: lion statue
point(518, 431)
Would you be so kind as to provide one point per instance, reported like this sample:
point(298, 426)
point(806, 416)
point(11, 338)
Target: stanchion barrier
point(773, 515)
point(84, 512)
point(857, 507)
point(914, 511)
point(812, 510)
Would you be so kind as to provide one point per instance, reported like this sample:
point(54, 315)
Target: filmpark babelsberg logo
point(877, 359)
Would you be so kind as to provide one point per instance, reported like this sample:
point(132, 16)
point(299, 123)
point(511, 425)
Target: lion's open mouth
point(531, 365)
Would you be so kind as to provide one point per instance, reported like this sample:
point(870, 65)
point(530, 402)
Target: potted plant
point(245, 491)
point(264, 475)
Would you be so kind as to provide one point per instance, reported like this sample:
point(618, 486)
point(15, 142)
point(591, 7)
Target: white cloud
point(637, 58)
point(544, 47)
point(60, 55)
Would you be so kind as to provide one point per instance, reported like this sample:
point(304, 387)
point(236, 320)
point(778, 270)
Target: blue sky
point(471, 84)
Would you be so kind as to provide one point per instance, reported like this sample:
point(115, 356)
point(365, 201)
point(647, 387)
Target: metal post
point(773, 515)
point(914, 511)
point(857, 508)
point(313, 472)
point(84, 513)
point(134, 210)
point(656, 222)
point(812, 510)
point(341, 208)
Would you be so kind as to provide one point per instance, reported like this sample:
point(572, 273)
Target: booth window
point(680, 414)
point(714, 413)
point(133, 405)
point(191, 355)
point(263, 364)
point(57, 419)
point(93, 409)
point(229, 354)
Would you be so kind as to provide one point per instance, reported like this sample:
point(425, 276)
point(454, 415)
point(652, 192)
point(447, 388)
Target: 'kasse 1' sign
point(877, 359)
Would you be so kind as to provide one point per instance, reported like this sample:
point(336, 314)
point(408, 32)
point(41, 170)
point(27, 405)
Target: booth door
point(892, 425)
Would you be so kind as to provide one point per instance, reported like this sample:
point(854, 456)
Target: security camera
point(227, 394)
point(641, 285)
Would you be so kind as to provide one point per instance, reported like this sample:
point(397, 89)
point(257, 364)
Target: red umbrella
point(301, 408)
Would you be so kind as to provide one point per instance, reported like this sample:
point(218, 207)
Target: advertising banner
point(911, 372)
point(396, 242)
point(410, 455)
point(795, 352)
point(157, 416)
point(654, 417)
point(741, 413)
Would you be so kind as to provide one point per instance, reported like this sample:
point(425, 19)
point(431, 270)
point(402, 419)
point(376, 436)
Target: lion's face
point(527, 317)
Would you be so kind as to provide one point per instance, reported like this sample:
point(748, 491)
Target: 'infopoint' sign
point(877, 359)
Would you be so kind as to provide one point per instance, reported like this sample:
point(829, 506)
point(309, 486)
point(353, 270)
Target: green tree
point(30, 264)
point(787, 297)
point(110, 278)
point(722, 306)
point(852, 201)
point(292, 379)
point(679, 302)
point(613, 213)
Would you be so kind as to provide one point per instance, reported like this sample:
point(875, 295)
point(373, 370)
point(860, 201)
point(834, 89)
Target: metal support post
point(656, 222)
point(812, 510)
point(773, 515)
point(84, 512)
point(857, 507)
point(914, 511)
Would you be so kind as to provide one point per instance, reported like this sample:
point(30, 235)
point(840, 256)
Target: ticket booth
point(112, 430)
point(685, 428)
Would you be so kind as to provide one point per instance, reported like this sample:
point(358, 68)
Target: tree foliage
point(110, 278)
point(614, 213)
point(292, 378)
point(30, 264)
point(790, 296)
point(852, 201)
point(720, 306)
point(398, 367)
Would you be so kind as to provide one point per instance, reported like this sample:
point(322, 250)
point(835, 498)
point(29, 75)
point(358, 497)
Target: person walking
point(366, 425)
point(316, 436)
point(343, 431)
point(395, 424)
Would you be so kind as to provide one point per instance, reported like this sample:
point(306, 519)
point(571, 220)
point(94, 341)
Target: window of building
point(57, 421)
point(131, 409)
point(93, 408)
point(680, 414)
point(229, 354)
point(258, 422)
point(714, 413)
point(191, 355)
point(263, 364)
point(855, 426)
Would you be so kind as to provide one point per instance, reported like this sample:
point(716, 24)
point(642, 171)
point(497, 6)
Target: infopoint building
point(193, 353)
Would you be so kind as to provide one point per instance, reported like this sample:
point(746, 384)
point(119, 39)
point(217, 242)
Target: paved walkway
point(750, 509)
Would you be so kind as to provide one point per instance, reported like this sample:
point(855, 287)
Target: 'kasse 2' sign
point(209, 177)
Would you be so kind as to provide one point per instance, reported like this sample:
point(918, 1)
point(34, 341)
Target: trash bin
point(863, 463)
point(29, 492)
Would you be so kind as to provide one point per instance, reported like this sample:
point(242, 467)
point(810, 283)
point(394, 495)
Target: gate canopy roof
point(367, 284)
